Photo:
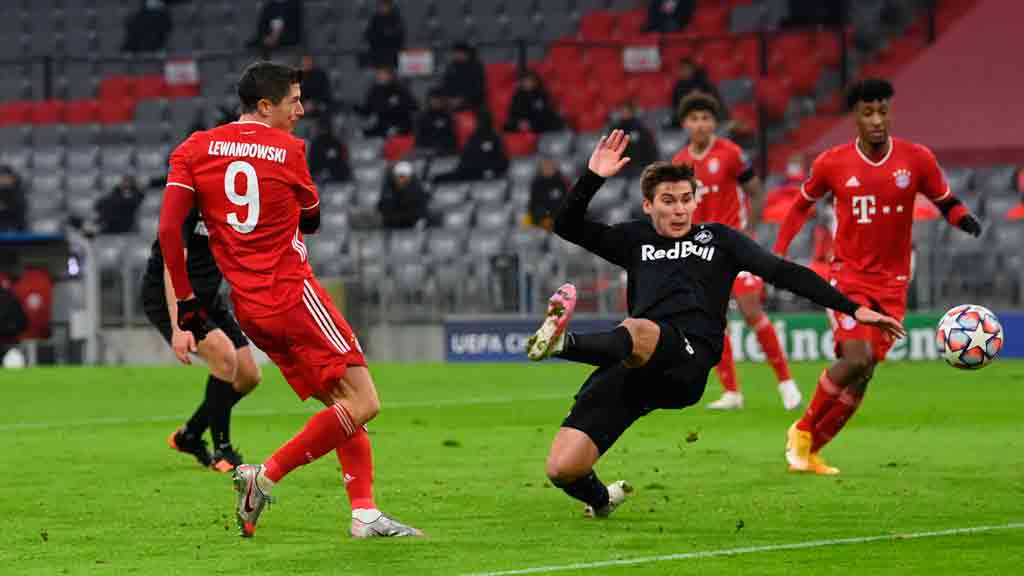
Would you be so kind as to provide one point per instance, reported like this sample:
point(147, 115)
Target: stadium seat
point(366, 151)
point(528, 240)
point(457, 217)
point(83, 158)
point(369, 175)
point(446, 244)
point(670, 142)
point(407, 245)
point(597, 25)
point(495, 217)
point(555, 144)
point(773, 95)
point(370, 246)
point(522, 170)
point(519, 144)
point(486, 242)
point(48, 159)
point(489, 191)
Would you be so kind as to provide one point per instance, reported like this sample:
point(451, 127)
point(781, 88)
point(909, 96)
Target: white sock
point(262, 482)
point(366, 515)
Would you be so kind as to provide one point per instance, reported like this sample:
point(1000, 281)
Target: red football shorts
point(891, 301)
point(310, 342)
point(747, 283)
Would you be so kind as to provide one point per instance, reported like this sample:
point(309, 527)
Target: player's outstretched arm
point(797, 215)
point(803, 281)
point(570, 222)
point(959, 215)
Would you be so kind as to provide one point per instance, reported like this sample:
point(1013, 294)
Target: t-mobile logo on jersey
point(863, 208)
point(679, 250)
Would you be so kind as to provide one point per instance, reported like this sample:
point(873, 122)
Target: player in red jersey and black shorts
point(874, 181)
point(731, 194)
point(251, 182)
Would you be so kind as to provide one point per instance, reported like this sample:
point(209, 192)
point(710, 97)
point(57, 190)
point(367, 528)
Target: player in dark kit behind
point(233, 370)
point(874, 182)
point(679, 278)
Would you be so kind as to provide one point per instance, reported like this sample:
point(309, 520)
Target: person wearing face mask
point(679, 276)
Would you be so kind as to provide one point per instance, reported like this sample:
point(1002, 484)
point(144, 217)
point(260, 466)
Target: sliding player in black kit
point(679, 279)
point(233, 370)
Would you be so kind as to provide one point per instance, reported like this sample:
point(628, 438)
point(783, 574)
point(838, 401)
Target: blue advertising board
point(804, 336)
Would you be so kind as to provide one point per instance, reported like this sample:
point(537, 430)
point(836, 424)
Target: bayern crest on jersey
point(902, 177)
point(713, 165)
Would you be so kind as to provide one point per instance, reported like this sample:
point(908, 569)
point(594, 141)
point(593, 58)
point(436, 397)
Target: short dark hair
point(662, 171)
point(868, 90)
point(266, 80)
point(698, 101)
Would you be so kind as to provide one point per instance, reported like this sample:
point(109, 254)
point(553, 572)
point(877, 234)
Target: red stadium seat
point(711, 19)
point(15, 112)
point(499, 102)
point(787, 48)
point(112, 87)
point(151, 86)
point(745, 118)
point(805, 73)
point(519, 144)
point(47, 112)
point(597, 25)
point(592, 120)
point(632, 22)
point(82, 112)
point(397, 146)
point(828, 48)
point(501, 76)
point(651, 90)
point(117, 111)
point(724, 68)
point(773, 94)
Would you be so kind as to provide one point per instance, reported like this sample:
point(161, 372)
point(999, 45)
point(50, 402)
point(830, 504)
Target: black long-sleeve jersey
point(685, 281)
point(202, 270)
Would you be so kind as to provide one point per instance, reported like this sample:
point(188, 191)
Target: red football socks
point(726, 368)
point(356, 458)
point(323, 432)
point(769, 340)
point(833, 421)
point(825, 396)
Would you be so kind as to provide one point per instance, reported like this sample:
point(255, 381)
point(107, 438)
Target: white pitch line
point(121, 421)
point(752, 550)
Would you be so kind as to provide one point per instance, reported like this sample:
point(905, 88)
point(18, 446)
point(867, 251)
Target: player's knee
point(863, 367)
point(247, 377)
point(561, 470)
point(224, 365)
point(644, 333)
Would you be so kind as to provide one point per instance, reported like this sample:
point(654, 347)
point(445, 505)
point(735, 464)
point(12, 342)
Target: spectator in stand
point(464, 82)
point(385, 35)
point(317, 98)
point(389, 105)
point(403, 203)
point(435, 127)
point(669, 15)
point(115, 212)
point(547, 191)
point(1017, 212)
point(148, 29)
point(280, 26)
point(483, 157)
point(692, 78)
point(328, 156)
point(531, 109)
point(642, 149)
point(13, 207)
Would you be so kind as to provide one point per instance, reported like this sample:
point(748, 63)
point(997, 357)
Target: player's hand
point(607, 160)
point(192, 317)
point(970, 225)
point(183, 343)
point(887, 324)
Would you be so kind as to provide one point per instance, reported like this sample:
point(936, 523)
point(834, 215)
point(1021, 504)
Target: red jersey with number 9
point(251, 182)
point(874, 204)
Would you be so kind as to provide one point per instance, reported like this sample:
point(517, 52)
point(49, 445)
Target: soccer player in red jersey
point(874, 181)
point(728, 190)
point(252, 185)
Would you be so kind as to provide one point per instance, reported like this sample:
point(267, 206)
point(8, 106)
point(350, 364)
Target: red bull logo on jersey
point(680, 250)
point(247, 150)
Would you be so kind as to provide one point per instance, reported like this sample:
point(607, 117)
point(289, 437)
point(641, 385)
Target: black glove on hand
point(192, 318)
point(970, 225)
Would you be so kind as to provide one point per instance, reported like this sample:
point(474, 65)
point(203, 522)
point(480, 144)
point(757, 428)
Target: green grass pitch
point(90, 487)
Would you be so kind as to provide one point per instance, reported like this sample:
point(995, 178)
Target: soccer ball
point(969, 336)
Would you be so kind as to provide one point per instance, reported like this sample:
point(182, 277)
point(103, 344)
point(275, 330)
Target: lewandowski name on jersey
point(247, 150)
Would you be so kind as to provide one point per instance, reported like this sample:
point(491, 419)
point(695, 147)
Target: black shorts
point(614, 397)
point(154, 304)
